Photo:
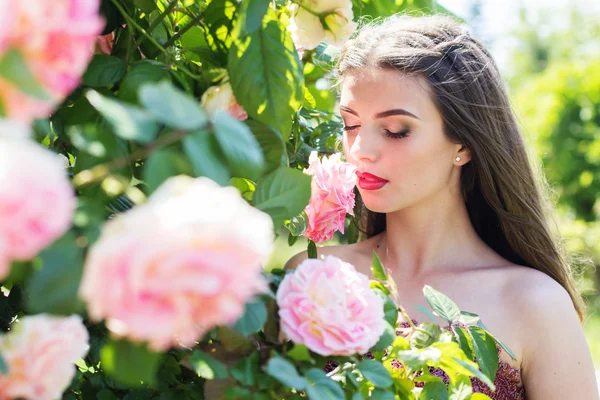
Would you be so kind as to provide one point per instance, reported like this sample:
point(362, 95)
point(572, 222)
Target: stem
point(158, 20)
point(101, 171)
point(406, 317)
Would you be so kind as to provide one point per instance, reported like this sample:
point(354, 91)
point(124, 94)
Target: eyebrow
point(383, 114)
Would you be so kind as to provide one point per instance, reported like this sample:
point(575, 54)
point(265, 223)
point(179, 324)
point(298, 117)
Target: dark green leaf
point(246, 371)
point(161, 165)
point(240, 148)
point(464, 341)
point(235, 342)
point(434, 391)
point(377, 268)
point(285, 372)
point(127, 121)
point(271, 143)
point(104, 70)
point(106, 394)
point(386, 339)
point(144, 71)
point(54, 288)
point(283, 194)
point(266, 74)
point(442, 304)
point(207, 367)
point(251, 15)
point(131, 364)
point(202, 149)
point(375, 372)
point(253, 319)
point(299, 353)
point(485, 351)
point(146, 6)
point(472, 368)
point(14, 69)
point(171, 106)
point(379, 394)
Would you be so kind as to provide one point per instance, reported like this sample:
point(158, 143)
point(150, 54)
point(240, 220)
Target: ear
point(465, 156)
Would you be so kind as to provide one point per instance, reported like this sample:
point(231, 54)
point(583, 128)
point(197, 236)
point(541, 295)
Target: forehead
point(369, 91)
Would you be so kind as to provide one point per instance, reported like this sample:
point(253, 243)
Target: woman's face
point(394, 131)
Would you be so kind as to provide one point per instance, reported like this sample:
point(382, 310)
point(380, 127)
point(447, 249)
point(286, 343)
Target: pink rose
point(174, 268)
point(36, 198)
point(328, 306)
point(222, 98)
point(40, 352)
point(56, 39)
point(104, 44)
point(332, 196)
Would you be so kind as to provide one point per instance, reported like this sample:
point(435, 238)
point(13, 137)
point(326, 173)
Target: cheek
point(346, 145)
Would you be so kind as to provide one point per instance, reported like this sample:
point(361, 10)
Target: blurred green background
point(549, 55)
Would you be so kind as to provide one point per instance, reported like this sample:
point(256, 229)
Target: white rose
point(306, 28)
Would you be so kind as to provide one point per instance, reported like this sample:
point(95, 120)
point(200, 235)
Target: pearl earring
point(457, 159)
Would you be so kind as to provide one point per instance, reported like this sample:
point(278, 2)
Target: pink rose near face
point(36, 198)
point(332, 196)
point(328, 306)
point(56, 39)
point(170, 270)
point(40, 352)
point(221, 97)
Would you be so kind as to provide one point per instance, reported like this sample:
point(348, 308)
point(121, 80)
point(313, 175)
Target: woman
point(448, 198)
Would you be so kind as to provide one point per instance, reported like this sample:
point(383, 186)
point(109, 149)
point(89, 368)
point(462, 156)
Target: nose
point(363, 148)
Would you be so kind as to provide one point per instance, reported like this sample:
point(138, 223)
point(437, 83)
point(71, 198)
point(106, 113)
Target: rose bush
point(151, 152)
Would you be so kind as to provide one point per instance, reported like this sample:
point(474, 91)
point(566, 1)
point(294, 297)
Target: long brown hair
point(505, 202)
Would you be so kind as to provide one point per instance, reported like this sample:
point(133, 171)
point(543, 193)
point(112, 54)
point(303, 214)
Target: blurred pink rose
point(56, 39)
point(332, 196)
point(170, 270)
point(36, 198)
point(40, 352)
point(222, 98)
point(328, 306)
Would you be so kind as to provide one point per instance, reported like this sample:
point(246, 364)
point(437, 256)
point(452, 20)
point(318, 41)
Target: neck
point(426, 239)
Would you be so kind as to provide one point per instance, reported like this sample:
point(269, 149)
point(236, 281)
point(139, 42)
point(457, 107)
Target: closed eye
point(350, 128)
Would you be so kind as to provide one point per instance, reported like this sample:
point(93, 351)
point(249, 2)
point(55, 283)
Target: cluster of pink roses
point(332, 196)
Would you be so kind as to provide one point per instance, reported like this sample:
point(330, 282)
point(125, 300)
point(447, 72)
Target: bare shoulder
point(556, 359)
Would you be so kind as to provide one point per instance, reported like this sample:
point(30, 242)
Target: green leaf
point(376, 373)
point(299, 353)
point(379, 394)
point(285, 372)
point(3, 366)
point(464, 341)
point(251, 15)
point(442, 304)
point(390, 309)
point(283, 194)
point(424, 335)
point(271, 143)
point(472, 368)
point(14, 69)
point(54, 287)
point(129, 363)
point(427, 313)
point(240, 148)
point(468, 318)
point(202, 149)
point(320, 386)
point(161, 165)
point(106, 394)
point(377, 268)
point(127, 121)
point(141, 72)
point(207, 367)
point(485, 350)
point(104, 70)
point(434, 391)
point(266, 74)
point(480, 396)
point(171, 106)
point(146, 6)
point(461, 388)
point(419, 358)
point(235, 342)
point(386, 338)
point(253, 319)
point(246, 370)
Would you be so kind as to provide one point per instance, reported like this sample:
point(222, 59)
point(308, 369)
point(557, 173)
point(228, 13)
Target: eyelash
point(394, 135)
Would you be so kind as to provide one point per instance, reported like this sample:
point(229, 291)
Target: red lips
point(369, 177)
point(368, 181)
